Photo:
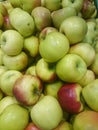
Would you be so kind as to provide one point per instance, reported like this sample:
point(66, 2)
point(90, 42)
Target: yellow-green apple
point(31, 126)
point(47, 113)
point(31, 70)
point(27, 89)
point(86, 120)
point(7, 81)
point(84, 50)
point(69, 97)
point(59, 15)
point(87, 78)
point(14, 117)
point(22, 21)
point(52, 5)
point(42, 17)
point(53, 88)
point(53, 41)
point(11, 42)
point(90, 92)
point(45, 71)
point(71, 68)
point(6, 101)
point(77, 4)
point(1, 20)
point(1, 56)
point(75, 28)
point(31, 45)
point(18, 62)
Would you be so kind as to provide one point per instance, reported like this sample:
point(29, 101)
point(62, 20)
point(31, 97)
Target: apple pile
point(48, 65)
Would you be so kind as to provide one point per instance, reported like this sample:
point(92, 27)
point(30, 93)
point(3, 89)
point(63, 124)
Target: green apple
point(31, 45)
point(45, 71)
point(7, 81)
point(1, 20)
point(22, 21)
point(7, 5)
point(59, 15)
point(75, 29)
point(53, 41)
point(90, 92)
point(77, 4)
point(18, 62)
point(84, 50)
point(42, 17)
point(6, 101)
point(47, 113)
point(1, 56)
point(86, 120)
point(31, 70)
point(71, 68)
point(11, 42)
point(14, 117)
point(52, 5)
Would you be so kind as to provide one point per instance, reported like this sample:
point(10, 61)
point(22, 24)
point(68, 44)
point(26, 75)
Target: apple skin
point(7, 81)
point(84, 50)
point(1, 20)
point(71, 68)
point(86, 120)
point(75, 29)
point(45, 71)
point(47, 113)
point(3, 10)
point(2, 69)
point(32, 126)
point(42, 17)
point(1, 56)
point(53, 41)
point(11, 42)
point(27, 89)
point(17, 118)
point(69, 98)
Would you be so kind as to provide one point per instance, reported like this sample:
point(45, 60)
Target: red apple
point(32, 126)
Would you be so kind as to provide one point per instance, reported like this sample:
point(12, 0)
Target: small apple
point(27, 89)
point(71, 68)
point(14, 117)
point(31, 126)
point(22, 21)
point(11, 42)
point(7, 81)
point(53, 41)
point(86, 120)
point(75, 29)
point(45, 71)
point(69, 97)
point(31, 70)
point(46, 113)
point(18, 62)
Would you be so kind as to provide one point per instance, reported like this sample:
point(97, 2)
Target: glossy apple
point(53, 41)
point(75, 29)
point(11, 42)
point(32, 126)
point(47, 113)
point(27, 89)
point(17, 118)
point(69, 97)
point(7, 81)
point(71, 68)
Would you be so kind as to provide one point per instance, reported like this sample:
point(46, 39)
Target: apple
point(84, 50)
point(59, 15)
point(45, 71)
point(1, 20)
point(53, 41)
point(31, 45)
point(6, 24)
point(2, 69)
point(14, 117)
point(11, 42)
point(32, 126)
point(69, 97)
point(52, 5)
point(22, 21)
point(15, 3)
point(77, 4)
point(3, 10)
point(7, 81)
point(1, 56)
point(46, 113)
point(90, 93)
point(75, 28)
point(71, 68)
point(31, 70)
point(42, 17)
point(6, 101)
point(18, 62)
point(86, 120)
point(27, 89)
